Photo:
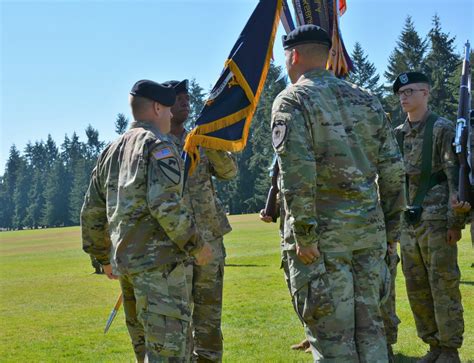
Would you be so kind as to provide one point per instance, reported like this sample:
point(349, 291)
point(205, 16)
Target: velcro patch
point(163, 153)
point(279, 131)
point(170, 168)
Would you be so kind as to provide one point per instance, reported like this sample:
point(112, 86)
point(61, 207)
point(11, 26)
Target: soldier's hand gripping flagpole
point(463, 129)
point(113, 313)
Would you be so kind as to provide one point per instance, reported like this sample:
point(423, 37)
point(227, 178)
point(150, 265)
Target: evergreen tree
point(37, 158)
point(441, 63)
point(57, 195)
point(20, 195)
point(196, 100)
point(406, 57)
point(364, 73)
point(72, 150)
point(9, 182)
point(78, 190)
point(4, 218)
point(121, 124)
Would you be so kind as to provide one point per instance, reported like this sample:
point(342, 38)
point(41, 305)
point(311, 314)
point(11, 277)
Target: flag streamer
point(325, 13)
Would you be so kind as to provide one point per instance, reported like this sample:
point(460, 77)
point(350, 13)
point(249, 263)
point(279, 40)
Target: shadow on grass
point(401, 358)
point(467, 283)
point(243, 265)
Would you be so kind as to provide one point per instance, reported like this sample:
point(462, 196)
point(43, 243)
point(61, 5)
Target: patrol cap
point(306, 34)
point(407, 78)
point(179, 86)
point(161, 93)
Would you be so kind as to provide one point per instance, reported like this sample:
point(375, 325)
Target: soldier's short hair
point(139, 104)
point(314, 51)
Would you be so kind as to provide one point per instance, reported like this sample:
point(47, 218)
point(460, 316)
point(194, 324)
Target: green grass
point(52, 309)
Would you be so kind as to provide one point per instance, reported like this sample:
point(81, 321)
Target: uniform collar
point(317, 72)
point(408, 126)
point(147, 125)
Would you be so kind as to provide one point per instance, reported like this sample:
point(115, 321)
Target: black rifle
point(271, 203)
point(463, 129)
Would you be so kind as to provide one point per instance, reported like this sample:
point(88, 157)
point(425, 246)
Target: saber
point(113, 313)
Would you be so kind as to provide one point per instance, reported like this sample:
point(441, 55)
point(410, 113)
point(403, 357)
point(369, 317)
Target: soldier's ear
point(295, 56)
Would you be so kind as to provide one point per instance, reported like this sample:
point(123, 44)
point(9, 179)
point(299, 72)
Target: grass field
point(52, 309)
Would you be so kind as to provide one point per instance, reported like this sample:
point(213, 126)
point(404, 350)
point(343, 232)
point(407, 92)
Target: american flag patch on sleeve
point(163, 153)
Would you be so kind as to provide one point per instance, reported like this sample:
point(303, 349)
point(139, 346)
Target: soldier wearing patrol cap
point(430, 228)
point(342, 192)
point(212, 224)
point(134, 224)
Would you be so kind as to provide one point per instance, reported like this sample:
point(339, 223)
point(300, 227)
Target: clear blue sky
point(67, 64)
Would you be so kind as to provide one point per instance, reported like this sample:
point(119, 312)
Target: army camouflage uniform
point(337, 155)
point(133, 218)
point(429, 263)
point(212, 223)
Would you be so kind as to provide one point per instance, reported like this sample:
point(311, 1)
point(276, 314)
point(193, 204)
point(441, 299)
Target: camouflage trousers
point(157, 313)
point(432, 281)
point(337, 298)
point(388, 307)
point(207, 290)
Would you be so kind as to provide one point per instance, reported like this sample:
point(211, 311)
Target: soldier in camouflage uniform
point(342, 191)
point(211, 222)
point(134, 224)
point(428, 245)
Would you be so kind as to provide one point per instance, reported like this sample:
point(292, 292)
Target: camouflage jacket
point(341, 170)
point(436, 205)
point(132, 215)
point(199, 192)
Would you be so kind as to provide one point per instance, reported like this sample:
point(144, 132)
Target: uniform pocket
point(166, 335)
point(319, 301)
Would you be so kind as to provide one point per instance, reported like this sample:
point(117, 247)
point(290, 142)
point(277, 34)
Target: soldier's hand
point(264, 217)
point(108, 272)
point(454, 235)
point(460, 207)
point(307, 254)
point(392, 248)
point(204, 256)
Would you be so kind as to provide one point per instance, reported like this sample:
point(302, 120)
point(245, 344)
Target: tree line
point(44, 185)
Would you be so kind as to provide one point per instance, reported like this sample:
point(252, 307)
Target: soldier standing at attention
point(342, 191)
point(430, 229)
point(211, 223)
point(134, 224)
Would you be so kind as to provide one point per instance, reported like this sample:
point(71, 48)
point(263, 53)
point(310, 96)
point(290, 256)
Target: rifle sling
point(427, 180)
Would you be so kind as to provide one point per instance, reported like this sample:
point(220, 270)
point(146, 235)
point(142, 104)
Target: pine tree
point(196, 100)
point(37, 158)
point(9, 179)
point(441, 63)
point(408, 56)
point(20, 195)
point(78, 190)
point(121, 124)
point(364, 73)
point(56, 193)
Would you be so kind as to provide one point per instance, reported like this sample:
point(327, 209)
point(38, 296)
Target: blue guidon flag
point(224, 122)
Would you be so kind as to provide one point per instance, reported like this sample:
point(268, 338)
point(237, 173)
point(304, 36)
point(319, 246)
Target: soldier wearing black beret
point(430, 229)
point(206, 281)
point(135, 224)
point(151, 101)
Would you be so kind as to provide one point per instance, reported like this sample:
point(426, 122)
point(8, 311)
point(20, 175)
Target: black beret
point(161, 93)
point(179, 86)
point(306, 34)
point(407, 78)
